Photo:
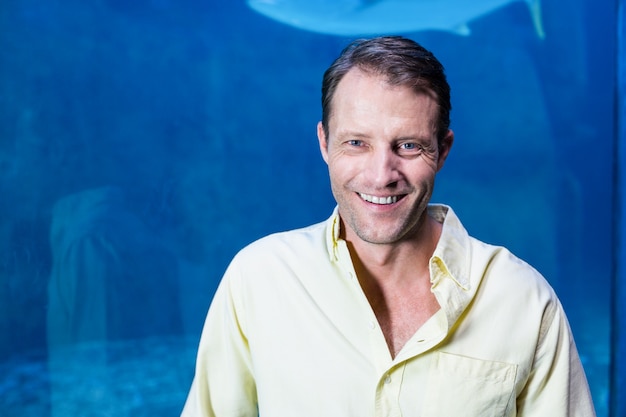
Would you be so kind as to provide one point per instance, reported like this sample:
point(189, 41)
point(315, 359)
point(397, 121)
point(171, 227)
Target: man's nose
point(383, 168)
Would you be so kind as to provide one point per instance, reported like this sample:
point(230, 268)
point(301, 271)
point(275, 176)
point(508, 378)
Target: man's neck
point(399, 260)
point(396, 281)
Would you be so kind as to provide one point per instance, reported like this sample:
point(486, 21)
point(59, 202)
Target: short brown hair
point(402, 61)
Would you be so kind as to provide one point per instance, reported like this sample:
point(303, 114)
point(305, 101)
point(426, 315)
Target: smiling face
point(382, 157)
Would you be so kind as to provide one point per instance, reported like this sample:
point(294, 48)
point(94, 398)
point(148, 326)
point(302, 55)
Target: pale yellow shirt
point(290, 333)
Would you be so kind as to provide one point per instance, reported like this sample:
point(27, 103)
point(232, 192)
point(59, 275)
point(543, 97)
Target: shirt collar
point(451, 257)
point(449, 265)
point(452, 254)
point(333, 226)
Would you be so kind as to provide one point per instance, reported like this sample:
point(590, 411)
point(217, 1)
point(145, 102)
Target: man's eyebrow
point(422, 138)
point(416, 138)
point(352, 133)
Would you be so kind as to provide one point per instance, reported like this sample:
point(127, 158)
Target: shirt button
point(372, 324)
point(387, 379)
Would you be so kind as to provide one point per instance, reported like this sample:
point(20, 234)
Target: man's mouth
point(379, 200)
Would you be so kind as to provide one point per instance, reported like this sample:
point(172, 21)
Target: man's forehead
point(362, 73)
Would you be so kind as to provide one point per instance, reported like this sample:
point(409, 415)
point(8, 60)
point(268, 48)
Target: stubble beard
point(381, 231)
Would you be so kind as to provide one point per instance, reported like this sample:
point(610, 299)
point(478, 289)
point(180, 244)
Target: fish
point(375, 17)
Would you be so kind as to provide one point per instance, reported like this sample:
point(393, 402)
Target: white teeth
point(379, 200)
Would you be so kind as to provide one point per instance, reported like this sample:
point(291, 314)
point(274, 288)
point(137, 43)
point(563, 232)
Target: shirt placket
point(388, 392)
point(390, 377)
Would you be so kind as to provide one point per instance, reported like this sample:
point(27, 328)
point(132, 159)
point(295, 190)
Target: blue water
point(143, 143)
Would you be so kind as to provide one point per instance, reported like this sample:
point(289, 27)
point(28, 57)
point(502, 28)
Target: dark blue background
point(201, 117)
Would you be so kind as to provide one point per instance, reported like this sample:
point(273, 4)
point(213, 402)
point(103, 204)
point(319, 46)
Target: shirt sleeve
point(557, 386)
point(223, 384)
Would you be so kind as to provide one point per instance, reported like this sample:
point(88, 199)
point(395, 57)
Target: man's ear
point(321, 137)
point(444, 149)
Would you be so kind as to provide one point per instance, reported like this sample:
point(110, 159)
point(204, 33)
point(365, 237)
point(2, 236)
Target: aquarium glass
point(144, 142)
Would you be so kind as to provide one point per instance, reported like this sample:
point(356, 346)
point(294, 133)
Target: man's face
point(382, 157)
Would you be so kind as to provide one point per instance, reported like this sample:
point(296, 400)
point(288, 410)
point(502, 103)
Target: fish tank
point(143, 143)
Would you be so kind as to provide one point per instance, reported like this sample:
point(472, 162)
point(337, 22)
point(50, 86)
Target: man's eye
point(410, 149)
point(355, 142)
point(410, 146)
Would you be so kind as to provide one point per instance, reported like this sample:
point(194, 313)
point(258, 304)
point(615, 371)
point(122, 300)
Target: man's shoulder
point(281, 258)
point(291, 242)
point(505, 272)
point(485, 264)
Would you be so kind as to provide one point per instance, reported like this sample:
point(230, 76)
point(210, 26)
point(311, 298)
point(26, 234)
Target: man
point(388, 308)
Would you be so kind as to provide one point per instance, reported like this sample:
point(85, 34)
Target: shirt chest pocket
point(468, 387)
